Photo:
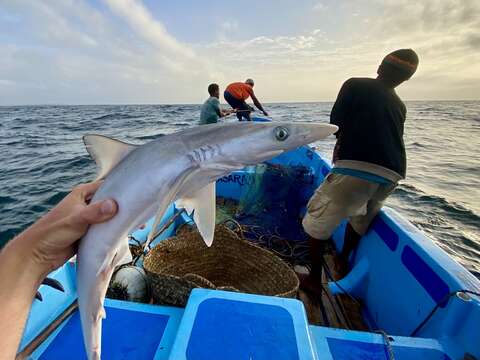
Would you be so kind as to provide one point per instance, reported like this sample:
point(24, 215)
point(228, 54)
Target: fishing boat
point(404, 298)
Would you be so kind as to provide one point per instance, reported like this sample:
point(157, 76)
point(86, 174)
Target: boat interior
point(404, 298)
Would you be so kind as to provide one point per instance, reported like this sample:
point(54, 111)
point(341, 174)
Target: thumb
point(99, 212)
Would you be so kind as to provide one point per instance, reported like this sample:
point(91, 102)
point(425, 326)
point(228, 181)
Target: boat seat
point(228, 325)
point(130, 331)
point(340, 344)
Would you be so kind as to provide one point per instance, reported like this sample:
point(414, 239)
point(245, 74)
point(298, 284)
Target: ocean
point(43, 157)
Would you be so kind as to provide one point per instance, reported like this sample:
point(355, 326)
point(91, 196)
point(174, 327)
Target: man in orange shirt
point(235, 95)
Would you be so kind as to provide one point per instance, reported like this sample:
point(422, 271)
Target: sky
point(150, 51)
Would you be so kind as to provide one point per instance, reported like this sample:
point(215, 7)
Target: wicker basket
point(181, 263)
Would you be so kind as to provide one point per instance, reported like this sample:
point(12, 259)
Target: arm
point(340, 108)
point(257, 104)
point(226, 112)
point(19, 280)
point(338, 116)
point(46, 245)
point(217, 109)
point(221, 112)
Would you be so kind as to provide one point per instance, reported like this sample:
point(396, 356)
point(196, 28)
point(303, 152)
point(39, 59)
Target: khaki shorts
point(343, 196)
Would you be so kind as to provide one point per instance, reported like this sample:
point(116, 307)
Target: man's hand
point(52, 240)
point(265, 113)
point(228, 112)
point(43, 247)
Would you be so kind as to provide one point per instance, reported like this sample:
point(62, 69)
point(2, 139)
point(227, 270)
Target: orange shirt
point(240, 90)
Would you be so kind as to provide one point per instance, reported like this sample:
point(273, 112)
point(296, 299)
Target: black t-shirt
point(370, 117)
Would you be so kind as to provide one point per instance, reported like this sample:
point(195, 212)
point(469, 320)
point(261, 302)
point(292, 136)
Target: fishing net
point(269, 211)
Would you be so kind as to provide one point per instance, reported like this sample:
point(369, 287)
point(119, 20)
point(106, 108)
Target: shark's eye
point(281, 133)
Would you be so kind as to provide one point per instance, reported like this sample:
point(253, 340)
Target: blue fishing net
point(269, 212)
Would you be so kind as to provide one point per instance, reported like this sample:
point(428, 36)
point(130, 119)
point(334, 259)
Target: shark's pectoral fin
point(121, 256)
point(106, 152)
point(124, 256)
point(202, 204)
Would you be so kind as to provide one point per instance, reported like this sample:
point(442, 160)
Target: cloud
point(313, 65)
point(152, 31)
point(69, 51)
point(443, 34)
point(66, 51)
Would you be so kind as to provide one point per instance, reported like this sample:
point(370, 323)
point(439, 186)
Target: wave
point(44, 158)
point(454, 210)
point(149, 137)
point(8, 234)
point(58, 168)
point(116, 116)
point(56, 198)
point(12, 143)
point(7, 200)
point(417, 144)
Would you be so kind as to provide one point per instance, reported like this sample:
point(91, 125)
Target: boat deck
point(335, 311)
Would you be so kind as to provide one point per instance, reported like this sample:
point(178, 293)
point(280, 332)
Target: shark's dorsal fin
point(202, 204)
point(106, 152)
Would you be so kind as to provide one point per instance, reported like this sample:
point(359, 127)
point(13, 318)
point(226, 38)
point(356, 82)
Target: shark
point(145, 179)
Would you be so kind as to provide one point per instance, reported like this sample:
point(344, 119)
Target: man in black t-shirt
point(369, 159)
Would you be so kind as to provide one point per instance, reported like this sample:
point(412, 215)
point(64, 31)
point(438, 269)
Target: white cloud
point(72, 52)
point(152, 31)
point(80, 54)
point(311, 66)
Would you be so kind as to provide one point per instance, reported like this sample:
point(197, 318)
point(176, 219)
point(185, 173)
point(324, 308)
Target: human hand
point(52, 240)
point(44, 246)
point(265, 113)
point(227, 112)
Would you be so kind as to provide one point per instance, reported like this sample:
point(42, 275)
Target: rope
point(388, 344)
point(330, 276)
point(386, 338)
point(167, 224)
point(444, 300)
point(293, 252)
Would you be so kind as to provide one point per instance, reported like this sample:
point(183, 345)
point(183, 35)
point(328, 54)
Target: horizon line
point(175, 103)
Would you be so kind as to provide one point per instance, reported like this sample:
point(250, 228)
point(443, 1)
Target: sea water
point(42, 157)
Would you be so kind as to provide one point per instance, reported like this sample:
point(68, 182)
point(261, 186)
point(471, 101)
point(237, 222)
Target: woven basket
point(181, 263)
